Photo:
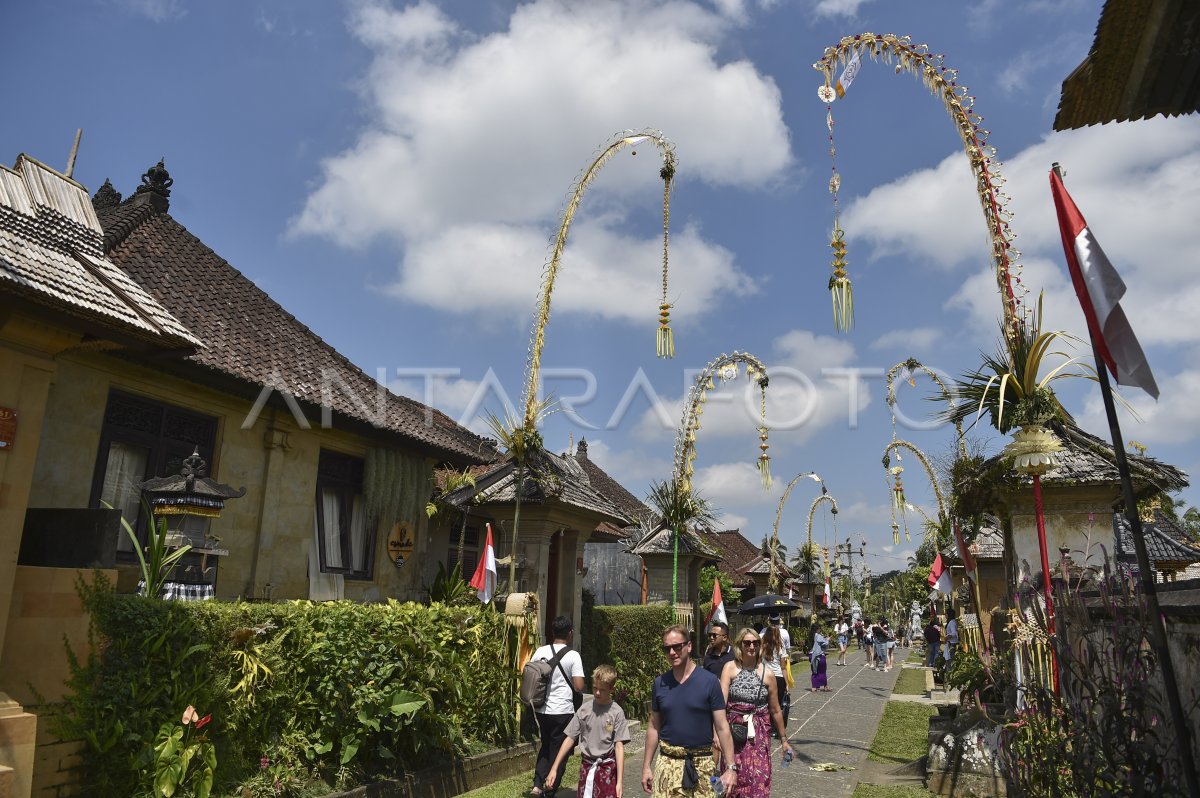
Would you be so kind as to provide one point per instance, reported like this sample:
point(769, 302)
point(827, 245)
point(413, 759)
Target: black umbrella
point(767, 604)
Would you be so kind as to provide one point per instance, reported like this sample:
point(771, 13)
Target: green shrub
point(630, 639)
point(299, 692)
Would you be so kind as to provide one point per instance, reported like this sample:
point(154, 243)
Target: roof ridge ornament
point(156, 186)
point(106, 196)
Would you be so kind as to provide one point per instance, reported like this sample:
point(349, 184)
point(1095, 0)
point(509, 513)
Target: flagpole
point(1047, 590)
point(1158, 631)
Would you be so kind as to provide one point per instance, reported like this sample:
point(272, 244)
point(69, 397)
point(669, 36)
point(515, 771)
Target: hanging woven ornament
point(895, 534)
point(764, 460)
point(666, 338)
point(839, 282)
point(898, 500)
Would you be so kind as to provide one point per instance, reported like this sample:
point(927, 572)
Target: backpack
point(536, 675)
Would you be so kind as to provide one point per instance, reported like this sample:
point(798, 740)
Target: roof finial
point(581, 450)
point(106, 196)
point(156, 186)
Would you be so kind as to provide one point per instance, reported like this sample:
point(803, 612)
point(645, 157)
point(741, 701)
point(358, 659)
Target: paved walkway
point(836, 727)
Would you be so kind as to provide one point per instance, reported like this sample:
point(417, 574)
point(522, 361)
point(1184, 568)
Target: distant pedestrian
point(719, 651)
point(891, 645)
point(951, 636)
point(933, 640)
point(753, 704)
point(816, 659)
point(842, 630)
point(687, 709)
point(879, 639)
point(601, 730)
point(775, 654)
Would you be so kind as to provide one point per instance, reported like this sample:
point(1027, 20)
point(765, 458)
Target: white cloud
point(472, 141)
point(838, 8)
point(630, 467)
point(917, 339)
point(737, 484)
point(1174, 419)
point(733, 521)
point(153, 10)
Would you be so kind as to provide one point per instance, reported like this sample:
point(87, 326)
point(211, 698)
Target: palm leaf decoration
point(680, 508)
point(1009, 386)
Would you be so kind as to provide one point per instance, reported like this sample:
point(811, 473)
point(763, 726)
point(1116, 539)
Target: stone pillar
point(1067, 508)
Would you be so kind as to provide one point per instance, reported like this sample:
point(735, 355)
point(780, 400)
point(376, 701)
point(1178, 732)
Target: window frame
point(164, 447)
point(343, 474)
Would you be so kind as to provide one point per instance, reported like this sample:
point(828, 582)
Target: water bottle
point(787, 759)
point(718, 786)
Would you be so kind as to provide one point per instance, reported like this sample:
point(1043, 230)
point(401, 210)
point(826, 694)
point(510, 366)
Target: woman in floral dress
point(751, 697)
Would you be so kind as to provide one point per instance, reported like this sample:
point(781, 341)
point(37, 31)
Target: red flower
point(200, 724)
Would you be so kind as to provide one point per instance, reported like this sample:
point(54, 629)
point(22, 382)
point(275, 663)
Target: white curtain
point(324, 587)
point(126, 467)
point(331, 511)
point(358, 536)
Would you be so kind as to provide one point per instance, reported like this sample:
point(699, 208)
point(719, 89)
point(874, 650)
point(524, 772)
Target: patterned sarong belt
point(679, 752)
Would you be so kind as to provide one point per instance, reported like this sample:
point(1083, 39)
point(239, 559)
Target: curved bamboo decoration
point(537, 339)
point(942, 82)
point(912, 365)
point(929, 472)
point(773, 578)
point(724, 367)
point(812, 511)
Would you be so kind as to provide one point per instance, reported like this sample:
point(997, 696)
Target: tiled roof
point(1142, 63)
point(1084, 460)
point(248, 336)
point(608, 487)
point(736, 552)
point(51, 255)
point(660, 541)
point(1160, 545)
point(549, 477)
point(988, 544)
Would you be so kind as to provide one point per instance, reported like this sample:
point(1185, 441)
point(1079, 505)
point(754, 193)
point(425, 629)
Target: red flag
point(484, 580)
point(964, 551)
point(718, 606)
point(1100, 289)
point(939, 575)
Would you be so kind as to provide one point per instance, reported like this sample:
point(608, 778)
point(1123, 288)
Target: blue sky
point(391, 173)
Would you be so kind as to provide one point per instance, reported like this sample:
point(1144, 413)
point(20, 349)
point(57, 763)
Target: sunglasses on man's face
point(715, 635)
point(673, 648)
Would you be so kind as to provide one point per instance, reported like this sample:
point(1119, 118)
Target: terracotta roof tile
point(249, 336)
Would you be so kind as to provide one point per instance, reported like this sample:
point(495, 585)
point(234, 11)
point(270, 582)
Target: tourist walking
point(951, 636)
point(775, 654)
point(601, 731)
point(816, 659)
point(933, 640)
point(753, 705)
point(879, 639)
point(842, 630)
point(687, 708)
point(719, 651)
point(560, 704)
point(891, 645)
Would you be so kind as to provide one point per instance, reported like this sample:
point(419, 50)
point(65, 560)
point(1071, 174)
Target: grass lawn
point(910, 682)
point(903, 733)
point(519, 785)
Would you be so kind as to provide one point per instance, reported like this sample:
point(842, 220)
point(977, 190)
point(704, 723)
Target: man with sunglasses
point(687, 706)
point(719, 651)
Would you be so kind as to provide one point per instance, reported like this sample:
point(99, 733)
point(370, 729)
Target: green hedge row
point(299, 692)
point(630, 639)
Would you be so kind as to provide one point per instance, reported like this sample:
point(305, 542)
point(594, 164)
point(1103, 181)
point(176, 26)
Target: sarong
point(754, 758)
point(819, 677)
point(597, 778)
point(668, 772)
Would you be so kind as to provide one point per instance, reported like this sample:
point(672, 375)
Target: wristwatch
point(734, 767)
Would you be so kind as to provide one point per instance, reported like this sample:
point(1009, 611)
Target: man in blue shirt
point(686, 707)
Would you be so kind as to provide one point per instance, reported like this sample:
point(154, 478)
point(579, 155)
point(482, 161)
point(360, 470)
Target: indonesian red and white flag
point(939, 575)
point(717, 613)
point(964, 551)
point(484, 580)
point(1100, 289)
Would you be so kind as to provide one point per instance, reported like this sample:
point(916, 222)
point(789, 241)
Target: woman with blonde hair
point(752, 703)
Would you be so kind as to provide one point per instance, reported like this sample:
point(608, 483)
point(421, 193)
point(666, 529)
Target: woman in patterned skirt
point(816, 659)
point(752, 699)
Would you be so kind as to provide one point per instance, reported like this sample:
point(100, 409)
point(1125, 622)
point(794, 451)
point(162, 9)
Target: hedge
point(630, 639)
point(300, 693)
